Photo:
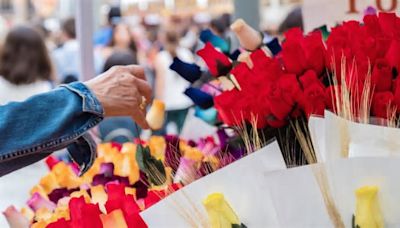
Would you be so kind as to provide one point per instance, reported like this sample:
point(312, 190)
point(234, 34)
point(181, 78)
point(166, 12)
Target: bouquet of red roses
point(352, 71)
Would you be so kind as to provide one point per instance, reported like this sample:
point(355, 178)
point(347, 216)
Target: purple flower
point(37, 201)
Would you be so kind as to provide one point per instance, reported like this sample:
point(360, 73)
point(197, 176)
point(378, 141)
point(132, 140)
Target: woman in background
point(25, 70)
point(122, 40)
point(25, 67)
point(169, 86)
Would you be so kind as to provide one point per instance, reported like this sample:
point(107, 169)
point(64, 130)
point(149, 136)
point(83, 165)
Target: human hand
point(121, 91)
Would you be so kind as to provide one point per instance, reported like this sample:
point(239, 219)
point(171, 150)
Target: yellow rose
point(368, 213)
point(220, 214)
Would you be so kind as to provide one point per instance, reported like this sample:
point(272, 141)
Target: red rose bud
point(381, 78)
point(381, 104)
point(217, 62)
point(293, 55)
point(315, 52)
point(393, 54)
point(314, 99)
point(283, 95)
point(249, 38)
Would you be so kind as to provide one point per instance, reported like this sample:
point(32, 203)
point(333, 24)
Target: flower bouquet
point(123, 181)
point(276, 87)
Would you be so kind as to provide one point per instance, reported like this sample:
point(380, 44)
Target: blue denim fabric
point(33, 129)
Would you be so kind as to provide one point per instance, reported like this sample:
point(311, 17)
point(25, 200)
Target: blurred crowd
point(34, 60)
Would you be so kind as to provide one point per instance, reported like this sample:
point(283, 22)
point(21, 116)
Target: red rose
point(381, 104)
point(293, 55)
point(381, 78)
point(308, 78)
point(387, 22)
point(283, 95)
point(315, 52)
point(393, 54)
point(218, 63)
point(226, 105)
point(314, 99)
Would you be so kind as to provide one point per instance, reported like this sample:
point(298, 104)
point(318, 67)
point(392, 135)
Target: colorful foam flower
point(155, 116)
point(207, 36)
point(15, 218)
point(218, 63)
point(189, 71)
point(37, 201)
point(200, 98)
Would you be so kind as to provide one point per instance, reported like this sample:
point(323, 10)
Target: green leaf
point(153, 168)
point(140, 157)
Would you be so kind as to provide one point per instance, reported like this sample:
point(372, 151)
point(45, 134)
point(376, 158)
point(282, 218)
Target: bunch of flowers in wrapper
point(123, 181)
point(352, 71)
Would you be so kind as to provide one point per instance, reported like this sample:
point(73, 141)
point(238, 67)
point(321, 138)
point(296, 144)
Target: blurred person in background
point(25, 66)
point(119, 129)
point(25, 70)
point(121, 40)
point(65, 57)
point(169, 86)
point(104, 35)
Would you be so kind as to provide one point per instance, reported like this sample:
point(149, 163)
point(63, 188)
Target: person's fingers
point(136, 71)
point(144, 89)
point(140, 118)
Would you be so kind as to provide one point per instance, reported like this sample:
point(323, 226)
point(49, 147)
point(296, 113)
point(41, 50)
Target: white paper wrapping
point(239, 182)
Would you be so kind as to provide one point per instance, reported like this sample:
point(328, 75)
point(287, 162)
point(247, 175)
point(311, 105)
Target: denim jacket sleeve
point(33, 129)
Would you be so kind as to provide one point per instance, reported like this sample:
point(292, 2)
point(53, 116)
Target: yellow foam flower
point(66, 178)
point(80, 193)
point(130, 191)
point(129, 148)
point(156, 114)
point(40, 224)
point(94, 170)
point(105, 150)
point(125, 165)
point(220, 214)
point(49, 183)
point(99, 195)
point(114, 219)
point(157, 147)
point(368, 213)
point(43, 214)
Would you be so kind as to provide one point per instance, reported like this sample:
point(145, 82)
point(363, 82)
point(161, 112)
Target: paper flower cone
point(219, 212)
point(15, 218)
point(155, 116)
point(368, 213)
point(249, 38)
point(200, 98)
